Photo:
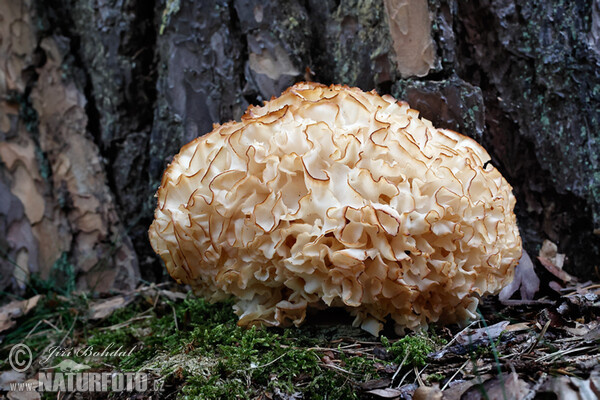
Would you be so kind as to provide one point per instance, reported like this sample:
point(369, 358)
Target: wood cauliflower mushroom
point(333, 195)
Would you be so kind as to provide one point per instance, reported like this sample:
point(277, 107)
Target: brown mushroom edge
point(331, 195)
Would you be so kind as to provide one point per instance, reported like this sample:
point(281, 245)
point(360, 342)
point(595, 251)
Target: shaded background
point(96, 96)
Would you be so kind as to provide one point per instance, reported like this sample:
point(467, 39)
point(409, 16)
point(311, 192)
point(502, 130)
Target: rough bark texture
point(60, 218)
point(97, 96)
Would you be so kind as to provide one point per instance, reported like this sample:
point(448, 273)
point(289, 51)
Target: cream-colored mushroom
point(330, 195)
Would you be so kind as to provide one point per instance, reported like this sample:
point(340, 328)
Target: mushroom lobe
point(334, 196)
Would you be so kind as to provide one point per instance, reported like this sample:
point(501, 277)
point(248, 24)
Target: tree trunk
point(97, 96)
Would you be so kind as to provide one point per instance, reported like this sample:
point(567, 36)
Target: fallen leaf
point(376, 384)
point(556, 287)
point(407, 390)
point(521, 326)
point(26, 395)
point(554, 261)
point(15, 309)
point(387, 368)
point(428, 393)
point(573, 388)
point(491, 332)
point(103, 308)
point(6, 322)
point(554, 270)
point(456, 389)
point(20, 307)
point(387, 393)
point(525, 280)
point(8, 377)
point(173, 296)
point(327, 360)
point(509, 387)
point(595, 382)
point(585, 330)
point(549, 251)
point(592, 335)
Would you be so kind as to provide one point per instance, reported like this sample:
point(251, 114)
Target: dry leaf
point(583, 329)
point(103, 308)
point(491, 332)
point(387, 393)
point(173, 296)
point(567, 388)
point(6, 322)
point(554, 270)
point(525, 279)
point(375, 384)
point(521, 326)
point(595, 382)
point(509, 387)
point(556, 287)
point(549, 251)
point(26, 395)
point(428, 393)
point(15, 309)
point(554, 261)
point(456, 389)
point(8, 377)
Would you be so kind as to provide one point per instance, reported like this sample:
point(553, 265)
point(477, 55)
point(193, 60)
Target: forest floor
point(187, 348)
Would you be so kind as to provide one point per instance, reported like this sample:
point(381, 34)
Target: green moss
point(437, 377)
point(222, 360)
point(214, 388)
point(204, 354)
point(412, 349)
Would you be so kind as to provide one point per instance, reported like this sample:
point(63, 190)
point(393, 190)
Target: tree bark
point(97, 96)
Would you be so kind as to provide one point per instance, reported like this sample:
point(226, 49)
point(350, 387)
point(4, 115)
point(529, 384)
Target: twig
point(175, 319)
point(572, 292)
point(540, 336)
point(403, 378)
point(399, 367)
point(333, 366)
point(454, 375)
point(337, 350)
point(69, 331)
point(495, 354)
point(269, 363)
point(124, 324)
point(560, 353)
point(459, 333)
point(533, 391)
point(418, 376)
point(526, 302)
point(37, 324)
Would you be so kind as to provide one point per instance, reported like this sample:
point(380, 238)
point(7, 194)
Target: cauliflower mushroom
point(334, 196)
